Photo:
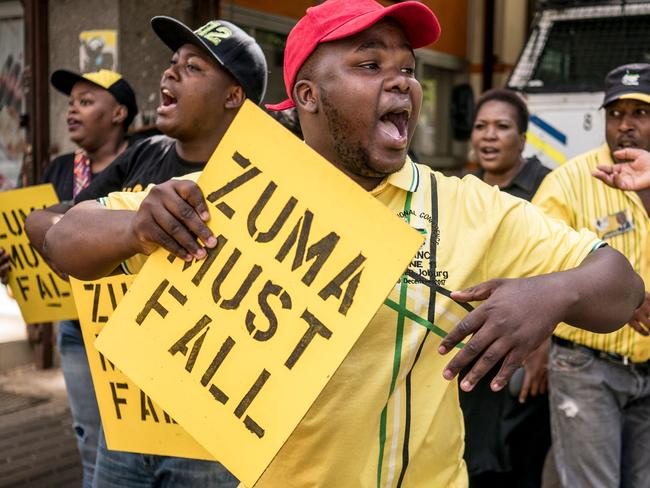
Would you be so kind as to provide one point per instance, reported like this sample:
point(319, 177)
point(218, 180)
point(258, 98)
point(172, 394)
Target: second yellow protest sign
point(237, 346)
point(131, 421)
point(41, 295)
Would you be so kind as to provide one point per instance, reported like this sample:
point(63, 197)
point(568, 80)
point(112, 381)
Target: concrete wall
point(142, 57)
point(66, 19)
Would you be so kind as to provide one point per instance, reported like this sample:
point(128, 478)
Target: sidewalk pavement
point(37, 444)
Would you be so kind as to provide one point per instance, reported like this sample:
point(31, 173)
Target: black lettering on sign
point(319, 251)
point(52, 292)
point(177, 295)
point(172, 257)
point(233, 302)
point(270, 289)
point(181, 344)
point(20, 280)
point(241, 160)
point(97, 293)
point(315, 327)
point(13, 223)
point(250, 424)
point(270, 234)
point(207, 262)
point(145, 412)
point(117, 401)
point(223, 207)
point(334, 286)
point(218, 359)
point(43, 290)
point(153, 304)
point(111, 296)
point(56, 288)
point(95, 299)
point(168, 419)
point(19, 258)
point(103, 361)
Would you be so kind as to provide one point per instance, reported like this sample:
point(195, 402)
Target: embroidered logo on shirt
point(614, 224)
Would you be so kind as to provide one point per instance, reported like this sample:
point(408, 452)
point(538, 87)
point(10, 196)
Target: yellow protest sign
point(41, 295)
point(132, 422)
point(237, 346)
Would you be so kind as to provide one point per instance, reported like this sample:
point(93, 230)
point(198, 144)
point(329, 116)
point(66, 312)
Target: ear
point(522, 142)
point(119, 115)
point(235, 98)
point(305, 95)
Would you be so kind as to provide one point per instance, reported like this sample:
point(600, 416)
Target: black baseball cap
point(630, 81)
point(236, 51)
point(111, 81)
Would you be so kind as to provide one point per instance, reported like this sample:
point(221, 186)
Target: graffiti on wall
point(97, 50)
point(12, 137)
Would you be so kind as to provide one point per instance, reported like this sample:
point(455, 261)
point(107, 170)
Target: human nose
point(400, 82)
point(627, 123)
point(489, 132)
point(72, 108)
point(171, 72)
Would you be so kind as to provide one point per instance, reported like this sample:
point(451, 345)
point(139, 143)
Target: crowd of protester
point(556, 355)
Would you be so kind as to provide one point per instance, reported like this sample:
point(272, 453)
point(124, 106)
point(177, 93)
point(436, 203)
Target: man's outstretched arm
point(516, 315)
point(90, 241)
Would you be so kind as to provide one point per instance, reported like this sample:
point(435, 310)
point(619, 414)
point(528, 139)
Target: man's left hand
point(516, 316)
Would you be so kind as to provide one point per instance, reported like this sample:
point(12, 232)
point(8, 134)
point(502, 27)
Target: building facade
point(480, 42)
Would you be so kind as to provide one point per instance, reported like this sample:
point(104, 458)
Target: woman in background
point(507, 434)
point(101, 107)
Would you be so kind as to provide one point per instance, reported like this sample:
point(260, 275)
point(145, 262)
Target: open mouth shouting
point(393, 125)
point(74, 124)
point(168, 101)
point(488, 153)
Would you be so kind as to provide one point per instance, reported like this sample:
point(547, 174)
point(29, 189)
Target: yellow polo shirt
point(618, 217)
point(387, 418)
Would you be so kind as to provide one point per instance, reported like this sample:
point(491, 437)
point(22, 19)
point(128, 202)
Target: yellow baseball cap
point(111, 81)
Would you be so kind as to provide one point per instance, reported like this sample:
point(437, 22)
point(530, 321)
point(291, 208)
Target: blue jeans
point(117, 469)
point(81, 395)
point(600, 420)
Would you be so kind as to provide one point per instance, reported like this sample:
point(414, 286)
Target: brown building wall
point(294, 8)
point(453, 21)
point(451, 14)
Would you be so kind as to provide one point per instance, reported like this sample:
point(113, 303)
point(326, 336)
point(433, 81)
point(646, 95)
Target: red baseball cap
point(337, 19)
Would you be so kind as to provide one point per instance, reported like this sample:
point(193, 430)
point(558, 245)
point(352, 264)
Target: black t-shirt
point(60, 173)
point(153, 160)
point(525, 183)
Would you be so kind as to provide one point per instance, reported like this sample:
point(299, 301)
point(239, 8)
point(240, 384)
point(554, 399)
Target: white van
point(561, 71)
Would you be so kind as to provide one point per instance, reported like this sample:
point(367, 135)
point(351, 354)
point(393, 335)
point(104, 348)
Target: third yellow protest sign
point(237, 346)
point(131, 421)
point(41, 295)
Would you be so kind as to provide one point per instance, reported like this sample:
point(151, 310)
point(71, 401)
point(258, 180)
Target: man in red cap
point(387, 418)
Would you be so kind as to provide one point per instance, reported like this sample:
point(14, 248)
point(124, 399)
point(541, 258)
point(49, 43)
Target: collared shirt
point(387, 417)
point(571, 194)
point(525, 183)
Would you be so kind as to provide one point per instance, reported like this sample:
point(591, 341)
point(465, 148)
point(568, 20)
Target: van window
point(579, 53)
